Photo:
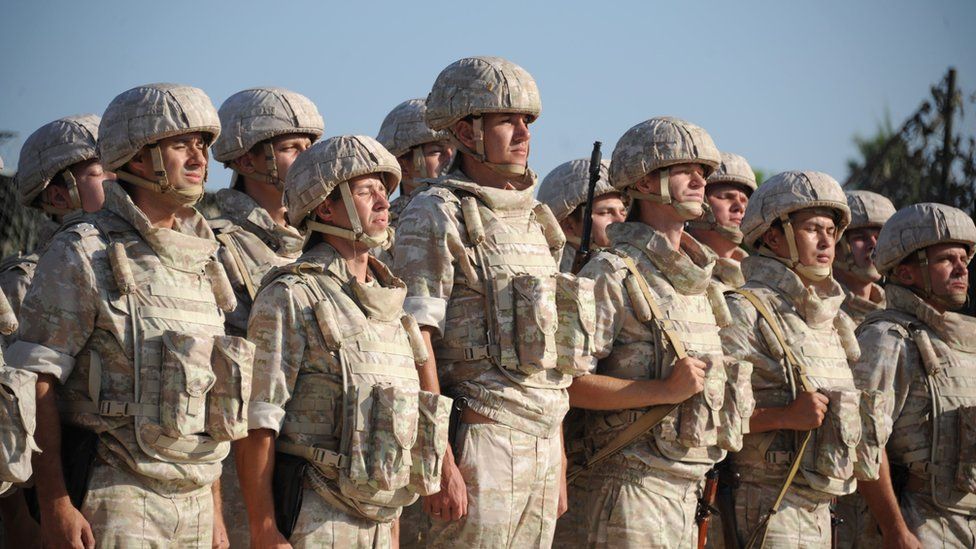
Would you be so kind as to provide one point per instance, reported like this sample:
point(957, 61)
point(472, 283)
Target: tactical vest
point(17, 423)
point(825, 352)
point(857, 307)
point(504, 306)
point(935, 435)
point(16, 273)
point(691, 433)
point(164, 380)
point(368, 429)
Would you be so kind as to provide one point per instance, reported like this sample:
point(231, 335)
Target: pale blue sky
point(786, 84)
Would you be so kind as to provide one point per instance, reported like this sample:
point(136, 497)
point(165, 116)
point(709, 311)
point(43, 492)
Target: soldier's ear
point(649, 184)
point(243, 164)
point(57, 196)
point(905, 274)
point(464, 132)
point(324, 211)
point(141, 164)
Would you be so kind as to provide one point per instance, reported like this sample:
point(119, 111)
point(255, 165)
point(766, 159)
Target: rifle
point(583, 254)
point(728, 482)
point(703, 516)
point(795, 365)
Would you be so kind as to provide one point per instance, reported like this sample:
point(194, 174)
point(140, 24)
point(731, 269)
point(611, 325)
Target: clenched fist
point(687, 378)
point(806, 412)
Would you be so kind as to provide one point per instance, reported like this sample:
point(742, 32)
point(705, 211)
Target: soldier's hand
point(269, 537)
point(65, 526)
point(806, 412)
point(451, 503)
point(687, 378)
point(220, 539)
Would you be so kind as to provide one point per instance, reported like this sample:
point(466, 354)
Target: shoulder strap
point(777, 331)
point(653, 416)
point(227, 240)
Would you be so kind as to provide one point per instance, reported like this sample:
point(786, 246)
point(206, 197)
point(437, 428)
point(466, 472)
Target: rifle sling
point(655, 414)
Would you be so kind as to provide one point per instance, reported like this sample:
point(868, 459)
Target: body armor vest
point(823, 342)
point(158, 375)
point(935, 435)
point(857, 307)
point(375, 439)
point(698, 433)
point(503, 307)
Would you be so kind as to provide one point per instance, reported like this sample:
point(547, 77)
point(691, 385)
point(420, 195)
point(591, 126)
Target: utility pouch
point(576, 324)
point(839, 435)
point(699, 416)
point(394, 434)
point(457, 410)
point(739, 405)
point(186, 378)
point(966, 466)
point(17, 424)
point(536, 317)
point(287, 490)
point(427, 454)
point(875, 429)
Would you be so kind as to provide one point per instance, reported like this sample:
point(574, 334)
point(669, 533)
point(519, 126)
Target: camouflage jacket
point(16, 273)
point(252, 244)
point(857, 307)
point(436, 258)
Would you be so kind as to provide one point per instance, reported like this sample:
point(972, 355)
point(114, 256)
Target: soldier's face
point(506, 138)
point(89, 176)
point(286, 150)
point(607, 209)
point(185, 160)
point(815, 235)
point(948, 273)
point(436, 157)
point(728, 203)
point(369, 201)
point(862, 242)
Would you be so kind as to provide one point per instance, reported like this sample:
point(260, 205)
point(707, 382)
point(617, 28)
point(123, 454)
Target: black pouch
point(457, 409)
point(77, 458)
point(287, 490)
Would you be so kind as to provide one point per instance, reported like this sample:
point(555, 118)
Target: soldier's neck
point(161, 212)
point(355, 254)
point(855, 285)
point(407, 186)
point(268, 197)
point(487, 177)
point(663, 219)
point(723, 247)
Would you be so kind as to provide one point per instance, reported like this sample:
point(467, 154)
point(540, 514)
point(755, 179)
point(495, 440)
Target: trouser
point(571, 528)
point(936, 527)
point(803, 519)
point(640, 507)
point(323, 525)
point(858, 528)
point(232, 500)
point(124, 512)
point(512, 481)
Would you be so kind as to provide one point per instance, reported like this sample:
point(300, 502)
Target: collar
point(957, 330)
point(498, 200)
point(814, 307)
point(689, 269)
point(244, 211)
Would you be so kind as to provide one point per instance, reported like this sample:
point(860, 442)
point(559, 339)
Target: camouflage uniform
point(125, 315)
point(462, 249)
point(821, 337)
point(647, 494)
point(858, 528)
point(928, 360)
point(327, 345)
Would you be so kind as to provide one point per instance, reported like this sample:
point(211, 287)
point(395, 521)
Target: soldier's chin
point(955, 300)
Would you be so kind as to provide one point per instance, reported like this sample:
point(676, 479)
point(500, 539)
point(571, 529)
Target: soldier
point(787, 322)
point(478, 254)
point(647, 492)
point(332, 338)
point(123, 319)
point(924, 352)
point(421, 152)
point(727, 194)
point(855, 271)
point(565, 189)
point(853, 265)
point(263, 130)
point(59, 173)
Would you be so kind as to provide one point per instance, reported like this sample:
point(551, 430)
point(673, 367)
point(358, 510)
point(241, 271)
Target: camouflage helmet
point(51, 150)
point(404, 130)
point(789, 192)
point(475, 86)
point(147, 114)
point(916, 227)
point(656, 144)
point(566, 186)
point(736, 170)
point(332, 163)
point(868, 210)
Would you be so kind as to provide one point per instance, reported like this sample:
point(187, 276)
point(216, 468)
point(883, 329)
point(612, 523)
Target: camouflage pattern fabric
point(893, 361)
point(431, 255)
point(803, 519)
point(728, 271)
point(569, 256)
point(571, 528)
point(16, 273)
point(513, 502)
point(857, 307)
point(623, 510)
point(323, 525)
point(123, 512)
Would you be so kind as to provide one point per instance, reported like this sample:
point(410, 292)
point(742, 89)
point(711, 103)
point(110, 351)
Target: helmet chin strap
point(687, 210)
point(161, 185)
point(72, 184)
point(420, 163)
point(815, 273)
point(271, 165)
point(356, 233)
point(950, 302)
point(514, 171)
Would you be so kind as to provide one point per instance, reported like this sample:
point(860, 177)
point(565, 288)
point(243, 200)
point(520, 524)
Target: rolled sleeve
point(429, 311)
point(427, 232)
point(264, 415)
point(40, 359)
point(277, 329)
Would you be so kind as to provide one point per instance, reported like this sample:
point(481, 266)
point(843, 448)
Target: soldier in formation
point(357, 375)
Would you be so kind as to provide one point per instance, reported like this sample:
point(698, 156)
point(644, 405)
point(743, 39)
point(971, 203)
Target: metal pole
point(947, 125)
